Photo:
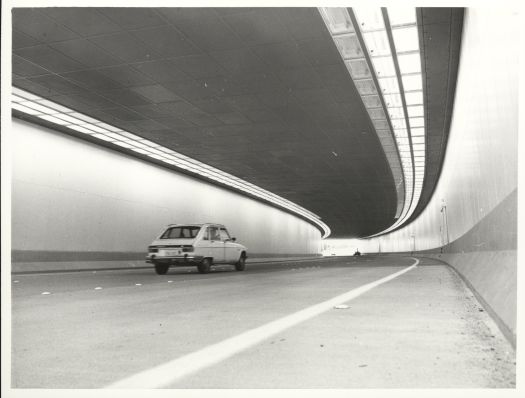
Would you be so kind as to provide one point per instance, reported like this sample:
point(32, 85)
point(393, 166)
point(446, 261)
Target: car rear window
point(181, 232)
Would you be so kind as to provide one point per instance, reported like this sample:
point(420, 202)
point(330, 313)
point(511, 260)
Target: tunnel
point(266, 198)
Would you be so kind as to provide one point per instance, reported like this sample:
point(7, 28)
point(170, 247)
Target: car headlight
point(153, 249)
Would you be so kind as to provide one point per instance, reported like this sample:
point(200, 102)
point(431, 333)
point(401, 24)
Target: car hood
point(172, 242)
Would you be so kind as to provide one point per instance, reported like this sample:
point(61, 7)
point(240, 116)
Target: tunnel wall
point(79, 205)
point(470, 222)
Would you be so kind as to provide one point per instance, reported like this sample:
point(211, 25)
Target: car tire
point(161, 269)
point(241, 264)
point(205, 266)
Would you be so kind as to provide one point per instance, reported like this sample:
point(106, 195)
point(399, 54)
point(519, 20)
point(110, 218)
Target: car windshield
point(181, 232)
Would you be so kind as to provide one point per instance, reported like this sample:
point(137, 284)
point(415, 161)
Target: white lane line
point(172, 371)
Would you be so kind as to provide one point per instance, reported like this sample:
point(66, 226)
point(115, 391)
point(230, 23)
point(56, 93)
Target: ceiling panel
point(21, 40)
point(190, 22)
point(156, 93)
point(166, 41)
point(126, 75)
point(58, 84)
point(48, 58)
point(85, 52)
point(26, 68)
point(35, 24)
point(126, 47)
point(83, 21)
point(133, 18)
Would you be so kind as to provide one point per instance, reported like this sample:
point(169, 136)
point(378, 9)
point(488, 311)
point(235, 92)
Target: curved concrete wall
point(473, 211)
point(76, 201)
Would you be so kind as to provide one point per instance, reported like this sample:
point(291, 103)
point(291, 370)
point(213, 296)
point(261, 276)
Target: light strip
point(388, 42)
point(46, 110)
point(351, 51)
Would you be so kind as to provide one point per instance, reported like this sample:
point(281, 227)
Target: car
point(200, 245)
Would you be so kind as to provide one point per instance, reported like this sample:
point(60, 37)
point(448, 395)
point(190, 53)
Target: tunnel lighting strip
point(401, 93)
point(341, 28)
point(36, 106)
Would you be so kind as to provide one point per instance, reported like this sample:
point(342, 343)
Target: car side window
point(214, 233)
point(224, 234)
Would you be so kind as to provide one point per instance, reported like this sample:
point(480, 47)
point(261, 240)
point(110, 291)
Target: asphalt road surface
point(331, 323)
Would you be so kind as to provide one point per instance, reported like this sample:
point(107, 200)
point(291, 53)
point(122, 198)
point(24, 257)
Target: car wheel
point(161, 269)
point(241, 264)
point(205, 266)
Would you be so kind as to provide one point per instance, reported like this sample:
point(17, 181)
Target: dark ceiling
point(260, 93)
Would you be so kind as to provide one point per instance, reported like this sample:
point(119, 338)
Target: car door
point(216, 244)
point(230, 249)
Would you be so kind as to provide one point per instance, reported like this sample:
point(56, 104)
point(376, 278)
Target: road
point(271, 326)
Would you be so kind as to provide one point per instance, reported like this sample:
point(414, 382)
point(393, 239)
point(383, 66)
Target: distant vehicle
point(201, 245)
point(357, 253)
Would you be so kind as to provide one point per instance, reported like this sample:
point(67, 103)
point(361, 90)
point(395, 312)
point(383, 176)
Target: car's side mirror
point(234, 239)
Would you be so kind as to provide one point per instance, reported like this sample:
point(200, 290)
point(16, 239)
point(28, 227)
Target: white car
point(195, 244)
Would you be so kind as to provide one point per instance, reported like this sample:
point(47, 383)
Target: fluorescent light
point(349, 46)
point(123, 144)
point(103, 137)
point(125, 134)
point(393, 99)
point(409, 63)
point(401, 15)
point(69, 119)
point(400, 132)
point(412, 82)
point(40, 108)
point(414, 111)
point(55, 106)
point(24, 109)
point(337, 19)
point(117, 136)
point(377, 113)
point(85, 118)
point(418, 140)
point(358, 68)
point(24, 94)
point(414, 98)
point(82, 129)
point(377, 43)
point(369, 18)
point(380, 124)
point(388, 85)
point(109, 127)
point(95, 128)
point(418, 131)
point(398, 124)
point(417, 121)
point(371, 101)
point(384, 66)
point(406, 39)
point(366, 87)
point(53, 119)
point(396, 112)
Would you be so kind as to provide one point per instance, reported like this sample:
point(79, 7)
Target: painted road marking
point(172, 371)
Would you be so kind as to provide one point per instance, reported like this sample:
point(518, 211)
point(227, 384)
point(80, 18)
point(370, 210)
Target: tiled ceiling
point(259, 93)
